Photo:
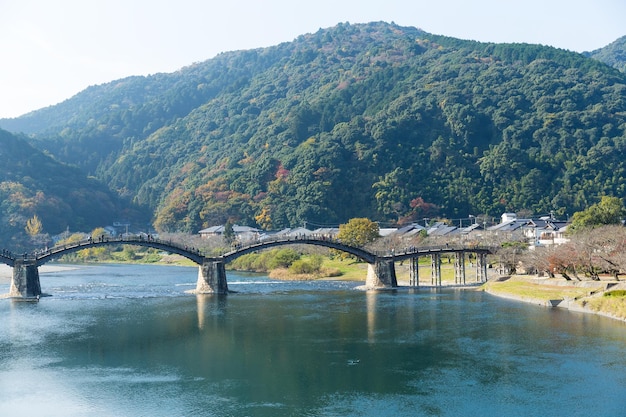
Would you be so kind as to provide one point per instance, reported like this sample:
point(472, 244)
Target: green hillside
point(370, 120)
point(32, 183)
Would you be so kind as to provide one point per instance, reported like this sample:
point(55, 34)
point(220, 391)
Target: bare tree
point(609, 249)
point(535, 261)
point(561, 261)
point(588, 254)
point(583, 255)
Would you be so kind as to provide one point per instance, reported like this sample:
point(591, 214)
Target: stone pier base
point(211, 278)
point(381, 274)
point(25, 282)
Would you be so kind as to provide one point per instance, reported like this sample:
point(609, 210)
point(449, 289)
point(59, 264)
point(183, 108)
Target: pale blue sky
point(52, 49)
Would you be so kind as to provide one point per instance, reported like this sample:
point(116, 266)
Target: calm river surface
point(126, 340)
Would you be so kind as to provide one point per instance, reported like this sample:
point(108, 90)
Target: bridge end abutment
point(25, 282)
point(211, 278)
point(381, 274)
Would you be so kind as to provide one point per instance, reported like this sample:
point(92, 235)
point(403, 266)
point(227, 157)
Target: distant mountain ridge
point(372, 120)
point(613, 54)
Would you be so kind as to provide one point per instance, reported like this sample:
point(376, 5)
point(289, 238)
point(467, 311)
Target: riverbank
point(581, 296)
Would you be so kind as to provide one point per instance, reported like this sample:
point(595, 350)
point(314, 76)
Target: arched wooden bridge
point(212, 275)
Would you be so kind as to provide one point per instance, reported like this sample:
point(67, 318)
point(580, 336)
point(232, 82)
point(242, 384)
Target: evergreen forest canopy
point(370, 120)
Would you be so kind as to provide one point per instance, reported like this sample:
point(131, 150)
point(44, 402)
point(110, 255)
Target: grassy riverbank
point(599, 297)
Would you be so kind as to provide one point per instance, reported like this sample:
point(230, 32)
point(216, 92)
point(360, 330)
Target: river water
point(126, 340)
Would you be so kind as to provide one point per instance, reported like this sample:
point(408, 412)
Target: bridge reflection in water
point(211, 269)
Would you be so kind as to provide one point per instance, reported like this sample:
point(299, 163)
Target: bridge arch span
point(362, 254)
point(56, 252)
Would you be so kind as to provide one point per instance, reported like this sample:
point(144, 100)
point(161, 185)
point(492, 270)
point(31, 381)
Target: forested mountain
point(613, 54)
point(32, 183)
point(370, 120)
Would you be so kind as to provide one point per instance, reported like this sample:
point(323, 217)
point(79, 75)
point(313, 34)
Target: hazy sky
point(52, 49)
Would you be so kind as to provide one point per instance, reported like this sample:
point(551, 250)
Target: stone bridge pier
point(25, 282)
point(381, 274)
point(211, 278)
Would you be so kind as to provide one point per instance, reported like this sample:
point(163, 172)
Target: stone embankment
point(579, 296)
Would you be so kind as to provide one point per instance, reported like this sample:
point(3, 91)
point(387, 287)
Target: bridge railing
point(6, 257)
point(127, 240)
point(240, 246)
point(409, 250)
point(9, 257)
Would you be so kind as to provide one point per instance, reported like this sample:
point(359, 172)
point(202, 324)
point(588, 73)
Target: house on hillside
point(554, 233)
point(473, 231)
point(546, 232)
point(326, 232)
point(408, 231)
point(387, 231)
point(211, 232)
point(442, 229)
point(242, 233)
point(297, 232)
point(511, 226)
point(507, 217)
point(537, 232)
